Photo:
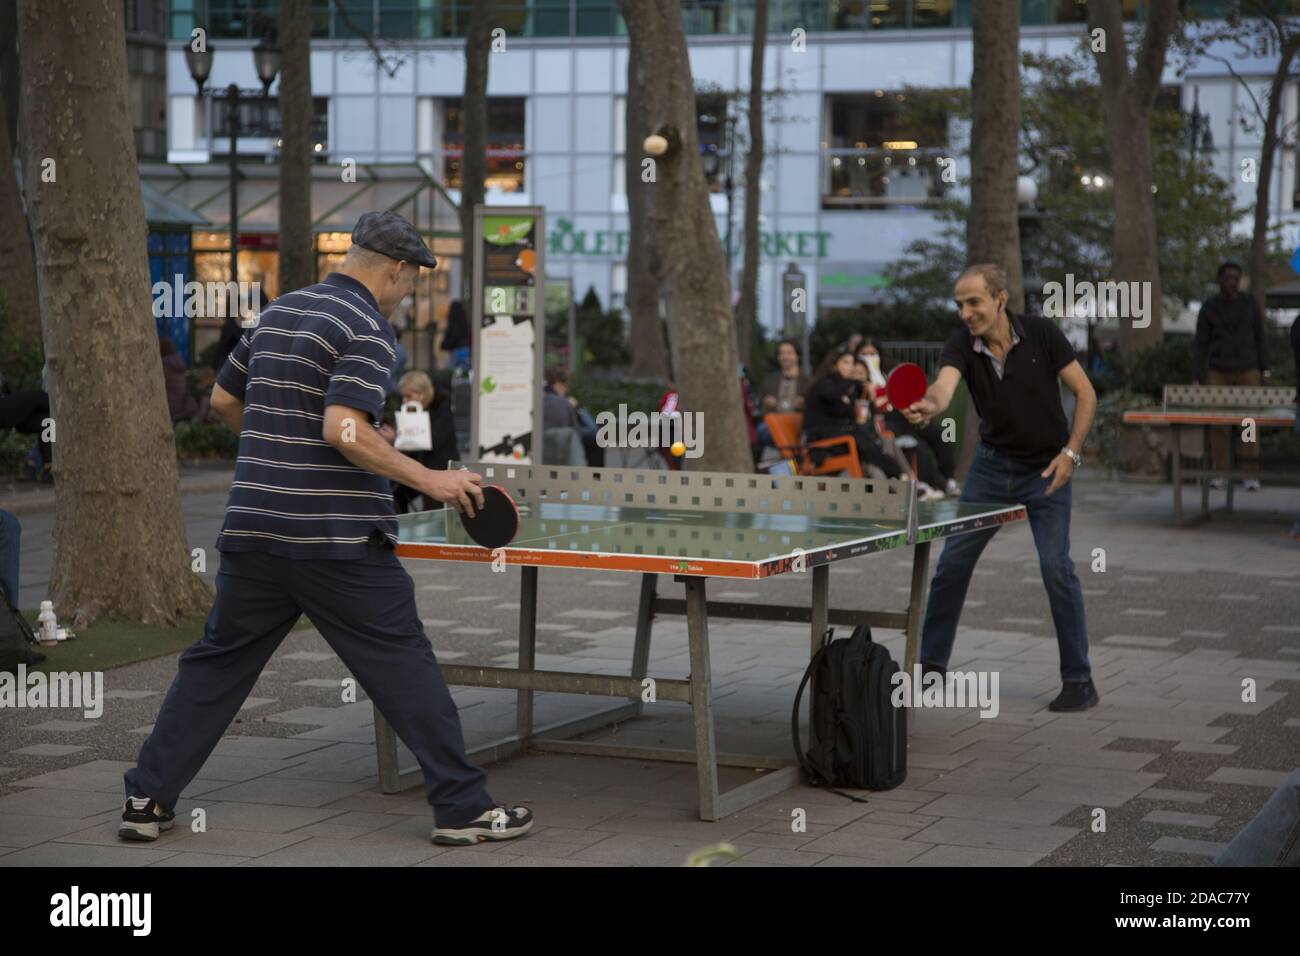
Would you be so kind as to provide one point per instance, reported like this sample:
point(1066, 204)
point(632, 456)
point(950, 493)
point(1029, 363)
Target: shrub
point(202, 440)
point(14, 448)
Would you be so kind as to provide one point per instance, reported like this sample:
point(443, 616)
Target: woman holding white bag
point(425, 430)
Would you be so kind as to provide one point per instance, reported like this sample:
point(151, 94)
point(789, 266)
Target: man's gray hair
point(366, 258)
point(994, 278)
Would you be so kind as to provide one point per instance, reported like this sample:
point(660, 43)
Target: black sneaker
point(499, 823)
point(1075, 695)
point(143, 818)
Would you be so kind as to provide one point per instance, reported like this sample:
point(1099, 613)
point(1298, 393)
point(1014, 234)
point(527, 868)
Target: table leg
point(1207, 461)
point(527, 648)
point(1176, 463)
point(916, 604)
point(820, 604)
point(644, 623)
point(1232, 465)
point(390, 774)
point(706, 757)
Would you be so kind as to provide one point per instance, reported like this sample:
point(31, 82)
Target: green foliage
point(606, 394)
point(1063, 138)
point(202, 440)
point(1108, 426)
point(21, 358)
point(14, 448)
point(603, 334)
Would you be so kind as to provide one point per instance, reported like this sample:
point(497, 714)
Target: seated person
point(783, 389)
point(181, 402)
point(830, 410)
point(927, 472)
point(561, 438)
point(931, 436)
point(417, 387)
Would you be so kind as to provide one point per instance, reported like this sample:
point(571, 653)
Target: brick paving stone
point(1174, 818)
point(1175, 796)
point(48, 750)
point(1170, 844)
point(1247, 777)
point(975, 856)
point(1004, 836)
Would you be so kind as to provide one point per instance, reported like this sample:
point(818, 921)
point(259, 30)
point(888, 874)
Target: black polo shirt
point(1020, 414)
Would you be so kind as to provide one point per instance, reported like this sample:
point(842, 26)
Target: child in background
point(418, 387)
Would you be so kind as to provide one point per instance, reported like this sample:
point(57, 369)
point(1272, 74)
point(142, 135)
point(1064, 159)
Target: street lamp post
point(266, 59)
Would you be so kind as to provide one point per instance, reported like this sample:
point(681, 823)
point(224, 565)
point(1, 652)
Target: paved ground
point(1174, 758)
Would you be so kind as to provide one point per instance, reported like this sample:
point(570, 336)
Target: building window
point(506, 159)
point(883, 149)
point(260, 119)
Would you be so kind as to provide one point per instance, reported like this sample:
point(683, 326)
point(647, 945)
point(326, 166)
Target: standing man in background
point(1230, 351)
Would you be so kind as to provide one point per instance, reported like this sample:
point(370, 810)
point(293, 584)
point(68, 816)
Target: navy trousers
point(365, 609)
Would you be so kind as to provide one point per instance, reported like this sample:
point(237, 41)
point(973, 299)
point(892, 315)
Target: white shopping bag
point(413, 428)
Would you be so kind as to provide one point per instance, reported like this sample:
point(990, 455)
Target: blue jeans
point(996, 479)
point(1272, 838)
point(10, 551)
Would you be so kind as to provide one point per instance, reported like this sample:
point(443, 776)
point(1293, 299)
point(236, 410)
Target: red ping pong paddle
point(496, 523)
point(906, 385)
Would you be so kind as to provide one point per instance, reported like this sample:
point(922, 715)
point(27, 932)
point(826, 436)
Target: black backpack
point(17, 640)
point(860, 737)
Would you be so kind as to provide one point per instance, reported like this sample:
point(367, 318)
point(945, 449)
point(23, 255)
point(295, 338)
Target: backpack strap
point(810, 768)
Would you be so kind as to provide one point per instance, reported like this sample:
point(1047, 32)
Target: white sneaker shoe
point(925, 493)
point(1216, 484)
point(1250, 484)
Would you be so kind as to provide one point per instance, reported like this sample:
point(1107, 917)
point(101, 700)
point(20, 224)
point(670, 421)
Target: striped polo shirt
point(294, 494)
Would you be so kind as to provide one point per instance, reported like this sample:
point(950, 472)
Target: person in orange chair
point(831, 410)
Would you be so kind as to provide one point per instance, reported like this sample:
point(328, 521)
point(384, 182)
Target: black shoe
point(927, 669)
point(143, 818)
point(499, 823)
point(1075, 695)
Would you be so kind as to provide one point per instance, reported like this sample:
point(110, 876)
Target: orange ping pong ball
point(678, 449)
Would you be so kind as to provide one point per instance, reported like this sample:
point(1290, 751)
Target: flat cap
point(391, 235)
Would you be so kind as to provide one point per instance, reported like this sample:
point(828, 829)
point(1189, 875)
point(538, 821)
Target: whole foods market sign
point(564, 240)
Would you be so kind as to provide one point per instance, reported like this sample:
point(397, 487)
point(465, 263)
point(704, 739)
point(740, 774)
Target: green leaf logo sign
point(506, 230)
point(489, 385)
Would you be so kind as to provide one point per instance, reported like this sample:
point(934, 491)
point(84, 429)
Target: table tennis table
point(693, 526)
point(1189, 408)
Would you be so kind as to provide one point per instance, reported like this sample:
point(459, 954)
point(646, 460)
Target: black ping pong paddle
point(496, 523)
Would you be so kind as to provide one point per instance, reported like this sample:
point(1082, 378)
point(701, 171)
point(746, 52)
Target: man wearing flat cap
point(310, 529)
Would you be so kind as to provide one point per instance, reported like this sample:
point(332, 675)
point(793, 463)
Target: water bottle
point(48, 624)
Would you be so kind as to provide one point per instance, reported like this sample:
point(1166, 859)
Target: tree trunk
point(993, 223)
point(1128, 97)
point(297, 255)
point(649, 359)
point(474, 117)
point(17, 271)
point(1268, 153)
point(687, 244)
point(747, 306)
point(119, 537)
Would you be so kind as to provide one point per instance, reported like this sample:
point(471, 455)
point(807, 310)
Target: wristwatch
point(1077, 459)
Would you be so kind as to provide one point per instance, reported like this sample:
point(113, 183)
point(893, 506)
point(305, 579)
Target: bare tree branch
point(389, 65)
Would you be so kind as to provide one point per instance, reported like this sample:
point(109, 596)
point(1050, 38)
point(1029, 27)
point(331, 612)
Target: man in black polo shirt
point(1026, 455)
point(310, 529)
